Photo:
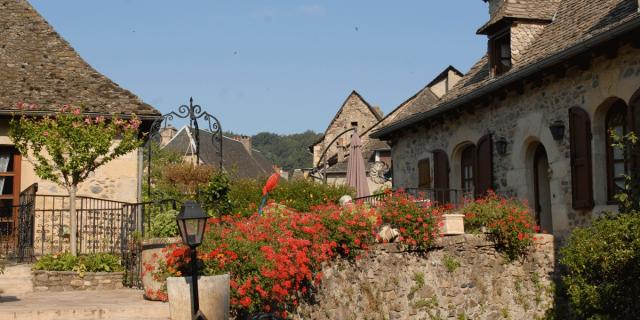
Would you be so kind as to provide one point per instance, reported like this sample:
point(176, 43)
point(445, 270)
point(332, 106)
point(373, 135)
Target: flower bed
point(274, 260)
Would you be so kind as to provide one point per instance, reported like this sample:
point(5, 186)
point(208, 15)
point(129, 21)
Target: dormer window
point(500, 53)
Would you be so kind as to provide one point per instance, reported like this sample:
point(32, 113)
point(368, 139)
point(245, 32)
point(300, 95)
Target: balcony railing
point(438, 196)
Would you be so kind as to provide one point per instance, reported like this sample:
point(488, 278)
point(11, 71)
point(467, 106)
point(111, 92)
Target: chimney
point(494, 5)
point(166, 134)
point(379, 111)
point(246, 142)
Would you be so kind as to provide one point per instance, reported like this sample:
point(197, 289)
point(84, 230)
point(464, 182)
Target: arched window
point(617, 167)
point(467, 169)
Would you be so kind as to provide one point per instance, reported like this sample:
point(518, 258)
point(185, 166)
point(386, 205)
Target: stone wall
point(523, 119)
point(462, 278)
point(71, 280)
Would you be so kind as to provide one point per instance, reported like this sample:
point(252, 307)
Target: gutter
point(513, 77)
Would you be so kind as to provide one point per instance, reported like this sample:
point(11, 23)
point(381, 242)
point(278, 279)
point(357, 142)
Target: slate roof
point(575, 23)
point(235, 158)
point(523, 9)
point(38, 66)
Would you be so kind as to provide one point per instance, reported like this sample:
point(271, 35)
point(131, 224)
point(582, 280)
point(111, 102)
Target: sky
point(281, 66)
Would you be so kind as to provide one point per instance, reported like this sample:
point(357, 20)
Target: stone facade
point(523, 119)
point(72, 281)
point(462, 278)
point(354, 111)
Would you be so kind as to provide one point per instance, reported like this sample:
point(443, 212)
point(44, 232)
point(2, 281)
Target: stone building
point(531, 118)
point(375, 151)
point(38, 67)
point(239, 158)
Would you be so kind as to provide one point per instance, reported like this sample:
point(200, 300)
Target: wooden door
point(441, 176)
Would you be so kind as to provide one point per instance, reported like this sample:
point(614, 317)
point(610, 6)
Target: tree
point(67, 146)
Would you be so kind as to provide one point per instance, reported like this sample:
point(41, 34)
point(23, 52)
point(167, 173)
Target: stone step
point(120, 304)
point(16, 280)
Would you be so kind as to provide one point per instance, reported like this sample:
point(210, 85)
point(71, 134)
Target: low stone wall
point(71, 280)
point(464, 277)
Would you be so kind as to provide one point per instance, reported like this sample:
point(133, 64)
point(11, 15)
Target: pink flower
point(46, 133)
point(76, 111)
point(99, 119)
point(87, 120)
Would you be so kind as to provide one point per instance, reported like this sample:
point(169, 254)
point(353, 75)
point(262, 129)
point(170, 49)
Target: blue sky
point(271, 65)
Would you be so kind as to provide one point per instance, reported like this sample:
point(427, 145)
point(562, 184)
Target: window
point(424, 174)
point(617, 167)
point(500, 53)
point(354, 123)
point(467, 168)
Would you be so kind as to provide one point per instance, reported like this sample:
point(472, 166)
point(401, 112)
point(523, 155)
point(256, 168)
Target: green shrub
point(163, 224)
point(244, 195)
point(214, 196)
point(602, 268)
point(96, 262)
point(450, 263)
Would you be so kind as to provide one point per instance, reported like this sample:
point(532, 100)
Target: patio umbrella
point(356, 175)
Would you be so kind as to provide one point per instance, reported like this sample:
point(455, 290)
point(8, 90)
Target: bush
point(417, 219)
point(301, 195)
point(163, 224)
point(96, 262)
point(602, 274)
point(508, 221)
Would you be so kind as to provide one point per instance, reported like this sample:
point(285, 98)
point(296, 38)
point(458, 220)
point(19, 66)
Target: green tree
point(67, 146)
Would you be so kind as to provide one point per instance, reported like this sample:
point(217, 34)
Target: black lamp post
point(191, 223)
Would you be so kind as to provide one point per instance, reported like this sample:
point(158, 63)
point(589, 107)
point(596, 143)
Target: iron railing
point(16, 227)
point(99, 224)
point(437, 196)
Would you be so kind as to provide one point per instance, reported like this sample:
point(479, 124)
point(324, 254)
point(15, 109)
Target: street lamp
point(191, 223)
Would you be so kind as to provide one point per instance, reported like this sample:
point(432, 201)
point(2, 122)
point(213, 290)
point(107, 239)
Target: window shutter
point(484, 166)
point(581, 179)
point(441, 176)
point(424, 174)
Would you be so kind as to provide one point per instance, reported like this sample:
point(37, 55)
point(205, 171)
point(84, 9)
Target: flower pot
point(151, 256)
point(213, 293)
point(453, 224)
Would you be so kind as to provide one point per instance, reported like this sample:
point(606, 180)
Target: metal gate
point(16, 231)
point(139, 222)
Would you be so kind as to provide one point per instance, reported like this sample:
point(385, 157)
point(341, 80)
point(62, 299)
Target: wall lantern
point(557, 130)
point(501, 146)
point(191, 223)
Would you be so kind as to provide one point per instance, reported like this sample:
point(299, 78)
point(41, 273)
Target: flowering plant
point(417, 219)
point(508, 221)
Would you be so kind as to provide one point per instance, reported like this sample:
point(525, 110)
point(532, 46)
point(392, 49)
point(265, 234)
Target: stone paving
point(120, 304)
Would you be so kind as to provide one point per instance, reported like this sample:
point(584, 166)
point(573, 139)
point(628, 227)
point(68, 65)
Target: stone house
point(531, 118)
point(375, 151)
point(239, 158)
point(38, 67)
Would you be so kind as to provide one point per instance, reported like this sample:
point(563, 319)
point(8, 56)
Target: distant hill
point(289, 151)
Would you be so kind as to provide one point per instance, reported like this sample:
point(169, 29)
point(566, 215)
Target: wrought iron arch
point(193, 112)
point(324, 153)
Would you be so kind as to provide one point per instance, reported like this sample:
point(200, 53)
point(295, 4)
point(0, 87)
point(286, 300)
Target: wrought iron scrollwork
point(193, 112)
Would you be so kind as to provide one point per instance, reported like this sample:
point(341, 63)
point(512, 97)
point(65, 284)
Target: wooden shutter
point(581, 177)
point(441, 176)
point(424, 174)
point(484, 166)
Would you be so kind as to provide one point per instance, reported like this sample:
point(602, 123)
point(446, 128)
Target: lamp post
point(191, 223)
